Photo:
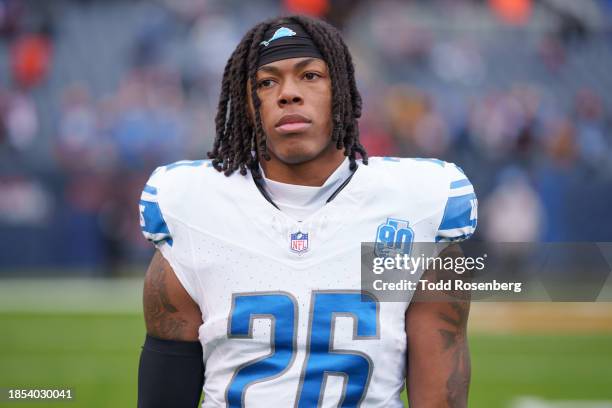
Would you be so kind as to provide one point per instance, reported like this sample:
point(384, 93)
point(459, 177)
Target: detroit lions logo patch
point(280, 33)
point(393, 237)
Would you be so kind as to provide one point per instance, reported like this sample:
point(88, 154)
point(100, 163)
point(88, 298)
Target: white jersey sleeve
point(160, 226)
point(461, 211)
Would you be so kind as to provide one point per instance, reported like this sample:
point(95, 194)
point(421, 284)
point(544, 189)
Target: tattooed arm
point(438, 359)
point(171, 370)
point(170, 313)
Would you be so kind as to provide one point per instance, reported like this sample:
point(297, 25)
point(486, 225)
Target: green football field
point(86, 335)
point(97, 356)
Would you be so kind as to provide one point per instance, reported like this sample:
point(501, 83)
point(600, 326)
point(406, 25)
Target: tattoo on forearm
point(449, 338)
point(160, 313)
point(454, 340)
point(458, 381)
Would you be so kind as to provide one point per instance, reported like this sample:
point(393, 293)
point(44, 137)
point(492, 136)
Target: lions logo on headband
point(280, 33)
point(295, 43)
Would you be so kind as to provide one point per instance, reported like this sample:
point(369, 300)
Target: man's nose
point(289, 94)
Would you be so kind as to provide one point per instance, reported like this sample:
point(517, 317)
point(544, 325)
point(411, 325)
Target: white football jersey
point(284, 321)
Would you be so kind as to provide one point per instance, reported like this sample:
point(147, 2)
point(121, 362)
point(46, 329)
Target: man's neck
point(312, 173)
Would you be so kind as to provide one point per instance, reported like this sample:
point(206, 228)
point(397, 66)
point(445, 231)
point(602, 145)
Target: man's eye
point(266, 83)
point(311, 75)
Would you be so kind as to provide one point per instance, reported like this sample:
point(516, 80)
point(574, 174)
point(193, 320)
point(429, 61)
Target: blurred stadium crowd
point(95, 94)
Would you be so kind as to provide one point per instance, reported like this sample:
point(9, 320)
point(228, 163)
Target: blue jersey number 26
point(321, 359)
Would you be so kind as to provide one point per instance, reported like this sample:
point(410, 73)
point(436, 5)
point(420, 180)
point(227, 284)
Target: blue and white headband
point(286, 41)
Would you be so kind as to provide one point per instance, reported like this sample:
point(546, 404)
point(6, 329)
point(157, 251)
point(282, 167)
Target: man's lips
point(292, 127)
point(292, 123)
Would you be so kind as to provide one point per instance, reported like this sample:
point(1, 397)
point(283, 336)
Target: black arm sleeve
point(171, 374)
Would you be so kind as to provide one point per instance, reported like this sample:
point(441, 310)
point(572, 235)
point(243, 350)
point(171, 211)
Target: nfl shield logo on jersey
point(299, 242)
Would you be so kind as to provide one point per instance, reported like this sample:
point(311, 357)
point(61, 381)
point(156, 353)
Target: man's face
point(295, 108)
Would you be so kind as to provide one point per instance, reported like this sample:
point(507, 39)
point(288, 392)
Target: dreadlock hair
point(237, 137)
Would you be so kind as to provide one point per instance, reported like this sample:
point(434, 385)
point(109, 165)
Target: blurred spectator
point(560, 143)
point(211, 43)
point(591, 128)
point(553, 177)
point(30, 59)
point(552, 53)
point(431, 138)
point(77, 136)
point(20, 120)
point(405, 108)
point(10, 14)
point(512, 11)
point(4, 101)
point(497, 86)
point(316, 8)
point(459, 62)
point(397, 37)
point(512, 212)
point(23, 202)
point(148, 124)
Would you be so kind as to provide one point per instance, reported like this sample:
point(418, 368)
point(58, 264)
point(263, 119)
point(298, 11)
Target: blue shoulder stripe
point(188, 163)
point(153, 224)
point(439, 162)
point(458, 212)
point(460, 183)
point(150, 189)
point(462, 237)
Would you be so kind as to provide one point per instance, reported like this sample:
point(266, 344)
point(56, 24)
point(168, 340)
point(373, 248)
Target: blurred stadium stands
point(95, 94)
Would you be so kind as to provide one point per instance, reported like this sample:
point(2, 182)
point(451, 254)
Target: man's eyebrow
point(275, 71)
point(303, 64)
point(271, 70)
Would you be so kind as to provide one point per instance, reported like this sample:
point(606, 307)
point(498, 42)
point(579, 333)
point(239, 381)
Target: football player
point(253, 295)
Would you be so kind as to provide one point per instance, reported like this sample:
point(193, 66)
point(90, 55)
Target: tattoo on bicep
point(456, 323)
point(160, 314)
point(456, 319)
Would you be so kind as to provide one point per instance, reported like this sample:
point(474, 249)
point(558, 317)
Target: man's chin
point(296, 152)
point(296, 157)
point(299, 148)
